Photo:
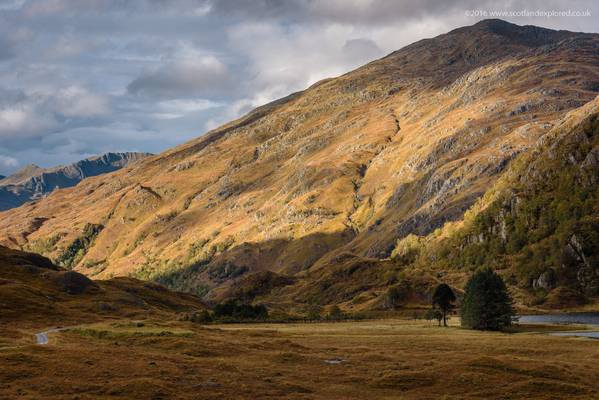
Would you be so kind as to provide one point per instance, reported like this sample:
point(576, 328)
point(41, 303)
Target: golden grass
point(383, 359)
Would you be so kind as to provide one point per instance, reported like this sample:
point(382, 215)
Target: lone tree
point(487, 304)
point(443, 299)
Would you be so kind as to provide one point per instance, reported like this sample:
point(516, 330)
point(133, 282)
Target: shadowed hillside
point(36, 293)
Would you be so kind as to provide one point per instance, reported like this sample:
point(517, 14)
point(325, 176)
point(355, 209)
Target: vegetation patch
point(78, 248)
point(43, 245)
point(123, 330)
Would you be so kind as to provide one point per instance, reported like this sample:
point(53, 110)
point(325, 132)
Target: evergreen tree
point(443, 299)
point(487, 304)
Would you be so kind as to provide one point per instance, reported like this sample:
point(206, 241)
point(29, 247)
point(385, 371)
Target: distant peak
point(528, 35)
point(495, 23)
point(123, 154)
point(31, 166)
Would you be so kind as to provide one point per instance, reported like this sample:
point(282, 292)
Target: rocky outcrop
point(581, 260)
point(33, 182)
point(545, 281)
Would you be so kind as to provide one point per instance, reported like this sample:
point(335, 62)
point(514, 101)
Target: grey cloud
point(205, 77)
point(362, 50)
point(43, 8)
point(7, 51)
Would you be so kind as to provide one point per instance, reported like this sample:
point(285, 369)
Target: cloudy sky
point(82, 77)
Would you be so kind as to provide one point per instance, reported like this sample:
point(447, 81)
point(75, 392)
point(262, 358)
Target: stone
point(545, 281)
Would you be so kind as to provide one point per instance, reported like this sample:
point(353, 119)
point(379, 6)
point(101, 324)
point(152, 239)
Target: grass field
point(385, 359)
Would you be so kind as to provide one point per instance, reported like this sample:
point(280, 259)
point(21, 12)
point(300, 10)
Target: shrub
point(335, 313)
point(395, 296)
point(232, 309)
point(203, 317)
point(314, 312)
point(432, 314)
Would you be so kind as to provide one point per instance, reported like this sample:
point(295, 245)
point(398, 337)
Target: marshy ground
point(382, 359)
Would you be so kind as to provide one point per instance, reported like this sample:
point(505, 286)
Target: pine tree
point(487, 304)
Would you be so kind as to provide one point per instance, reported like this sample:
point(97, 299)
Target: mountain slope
point(32, 182)
point(304, 199)
point(538, 225)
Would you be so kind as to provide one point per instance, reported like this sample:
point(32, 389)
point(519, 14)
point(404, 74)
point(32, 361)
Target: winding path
point(42, 337)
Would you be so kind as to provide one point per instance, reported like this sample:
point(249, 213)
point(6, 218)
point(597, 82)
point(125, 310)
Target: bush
point(314, 312)
point(232, 309)
point(487, 304)
point(434, 314)
point(394, 297)
point(335, 313)
point(203, 317)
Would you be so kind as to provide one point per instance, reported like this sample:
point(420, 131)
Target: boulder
point(545, 281)
point(592, 159)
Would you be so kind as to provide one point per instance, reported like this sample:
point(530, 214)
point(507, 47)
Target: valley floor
point(384, 359)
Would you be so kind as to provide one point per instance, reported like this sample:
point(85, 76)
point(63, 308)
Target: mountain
point(32, 182)
point(405, 172)
point(27, 172)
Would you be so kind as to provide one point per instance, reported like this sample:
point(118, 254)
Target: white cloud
point(171, 109)
point(8, 162)
point(25, 120)
point(24, 116)
point(75, 101)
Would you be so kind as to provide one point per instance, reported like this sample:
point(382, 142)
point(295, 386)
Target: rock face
point(32, 182)
point(545, 281)
point(318, 187)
